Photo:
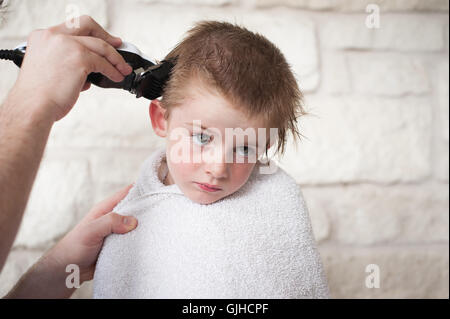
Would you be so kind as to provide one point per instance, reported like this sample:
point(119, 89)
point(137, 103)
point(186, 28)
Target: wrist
point(45, 279)
point(31, 108)
point(54, 270)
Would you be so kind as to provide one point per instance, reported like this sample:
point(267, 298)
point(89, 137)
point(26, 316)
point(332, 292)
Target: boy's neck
point(162, 168)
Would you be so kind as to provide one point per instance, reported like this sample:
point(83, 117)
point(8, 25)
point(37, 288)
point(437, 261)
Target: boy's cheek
point(241, 172)
point(182, 172)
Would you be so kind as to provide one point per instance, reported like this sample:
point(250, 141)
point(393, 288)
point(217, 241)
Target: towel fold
point(255, 243)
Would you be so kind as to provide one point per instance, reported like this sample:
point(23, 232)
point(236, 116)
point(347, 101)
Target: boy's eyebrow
point(191, 124)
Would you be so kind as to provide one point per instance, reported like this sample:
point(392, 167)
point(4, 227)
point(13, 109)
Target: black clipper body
point(147, 79)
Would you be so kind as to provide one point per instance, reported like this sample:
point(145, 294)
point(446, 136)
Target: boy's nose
point(217, 170)
point(217, 166)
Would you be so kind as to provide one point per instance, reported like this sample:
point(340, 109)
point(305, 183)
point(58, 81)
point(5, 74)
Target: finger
point(110, 223)
point(89, 27)
point(99, 64)
point(107, 205)
point(104, 49)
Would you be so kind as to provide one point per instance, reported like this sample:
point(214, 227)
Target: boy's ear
point(159, 123)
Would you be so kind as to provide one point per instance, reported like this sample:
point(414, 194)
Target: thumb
point(108, 224)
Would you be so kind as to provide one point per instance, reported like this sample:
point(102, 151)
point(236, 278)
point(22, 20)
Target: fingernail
point(127, 69)
point(120, 78)
point(124, 69)
point(129, 221)
point(117, 41)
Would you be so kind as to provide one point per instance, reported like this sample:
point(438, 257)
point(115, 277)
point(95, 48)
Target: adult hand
point(59, 59)
point(81, 246)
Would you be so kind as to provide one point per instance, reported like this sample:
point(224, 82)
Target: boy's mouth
point(208, 187)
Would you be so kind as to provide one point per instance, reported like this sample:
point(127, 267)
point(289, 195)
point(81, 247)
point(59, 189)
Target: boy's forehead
point(212, 116)
point(209, 107)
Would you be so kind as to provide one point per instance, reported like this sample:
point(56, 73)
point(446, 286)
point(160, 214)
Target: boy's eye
point(245, 150)
point(201, 138)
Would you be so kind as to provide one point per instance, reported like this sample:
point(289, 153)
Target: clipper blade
point(150, 83)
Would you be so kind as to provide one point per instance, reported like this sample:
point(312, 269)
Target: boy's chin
point(204, 200)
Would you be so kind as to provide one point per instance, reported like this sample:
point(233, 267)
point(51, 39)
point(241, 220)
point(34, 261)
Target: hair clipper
point(147, 78)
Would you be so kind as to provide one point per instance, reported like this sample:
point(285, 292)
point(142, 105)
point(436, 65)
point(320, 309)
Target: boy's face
point(197, 155)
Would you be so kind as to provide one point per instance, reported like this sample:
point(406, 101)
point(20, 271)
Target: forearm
point(24, 130)
point(46, 279)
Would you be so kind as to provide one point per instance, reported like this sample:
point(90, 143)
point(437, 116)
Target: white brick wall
point(374, 166)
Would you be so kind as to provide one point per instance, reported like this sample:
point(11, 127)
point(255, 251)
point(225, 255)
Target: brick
point(23, 16)
point(344, 31)
point(191, 2)
point(319, 217)
point(410, 32)
point(359, 5)
point(405, 271)
point(105, 118)
point(335, 73)
point(446, 29)
point(372, 215)
point(154, 29)
point(441, 120)
point(61, 192)
point(294, 34)
point(358, 138)
point(113, 170)
point(400, 32)
point(388, 74)
point(3, 5)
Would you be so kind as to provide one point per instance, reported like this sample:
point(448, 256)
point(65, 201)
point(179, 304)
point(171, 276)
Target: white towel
point(255, 243)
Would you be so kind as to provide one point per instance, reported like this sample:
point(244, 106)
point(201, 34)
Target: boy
point(210, 224)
